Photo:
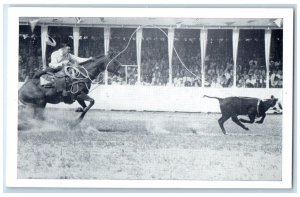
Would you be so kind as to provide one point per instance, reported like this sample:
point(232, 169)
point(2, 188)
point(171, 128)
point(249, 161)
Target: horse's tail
point(21, 102)
point(220, 99)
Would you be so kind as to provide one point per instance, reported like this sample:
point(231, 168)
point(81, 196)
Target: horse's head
point(100, 63)
point(114, 66)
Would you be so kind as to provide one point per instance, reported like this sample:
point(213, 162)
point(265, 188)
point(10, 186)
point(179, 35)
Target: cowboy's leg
point(38, 74)
point(55, 70)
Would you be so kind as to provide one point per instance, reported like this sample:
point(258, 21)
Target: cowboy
point(63, 57)
point(59, 59)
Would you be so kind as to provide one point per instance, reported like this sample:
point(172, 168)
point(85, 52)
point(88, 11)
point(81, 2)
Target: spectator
point(250, 82)
point(214, 83)
point(272, 78)
point(178, 81)
point(241, 82)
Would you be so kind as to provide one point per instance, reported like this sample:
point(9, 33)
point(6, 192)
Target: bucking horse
point(68, 85)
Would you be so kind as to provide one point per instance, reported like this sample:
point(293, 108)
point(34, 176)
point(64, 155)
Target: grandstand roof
point(184, 23)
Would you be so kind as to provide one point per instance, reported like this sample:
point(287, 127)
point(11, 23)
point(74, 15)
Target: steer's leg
point(262, 119)
point(252, 119)
point(236, 120)
point(251, 115)
point(222, 120)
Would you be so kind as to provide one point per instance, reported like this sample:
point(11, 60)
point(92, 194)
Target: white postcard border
point(12, 68)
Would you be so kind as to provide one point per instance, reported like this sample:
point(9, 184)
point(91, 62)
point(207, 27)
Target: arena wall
point(165, 98)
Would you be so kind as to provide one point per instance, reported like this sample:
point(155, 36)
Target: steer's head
point(275, 104)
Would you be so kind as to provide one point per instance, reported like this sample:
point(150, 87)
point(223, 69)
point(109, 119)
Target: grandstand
point(220, 57)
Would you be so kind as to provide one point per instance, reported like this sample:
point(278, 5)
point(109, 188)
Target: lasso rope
point(77, 83)
point(77, 72)
point(76, 75)
point(114, 58)
point(164, 34)
point(177, 54)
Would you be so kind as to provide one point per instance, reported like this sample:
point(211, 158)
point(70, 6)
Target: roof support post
point(76, 40)
point(44, 34)
point(203, 42)
point(235, 44)
point(139, 36)
point(171, 33)
point(268, 33)
point(106, 49)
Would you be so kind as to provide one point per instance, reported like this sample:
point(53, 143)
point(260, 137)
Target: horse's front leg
point(82, 104)
point(81, 98)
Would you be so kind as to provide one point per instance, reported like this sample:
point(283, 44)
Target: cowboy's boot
point(38, 74)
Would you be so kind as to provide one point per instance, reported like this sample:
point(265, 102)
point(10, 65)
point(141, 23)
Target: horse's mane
point(95, 59)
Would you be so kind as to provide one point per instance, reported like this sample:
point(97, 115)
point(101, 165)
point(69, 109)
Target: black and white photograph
point(151, 98)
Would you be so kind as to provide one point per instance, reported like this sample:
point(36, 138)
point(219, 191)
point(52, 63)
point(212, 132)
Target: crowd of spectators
point(275, 74)
point(186, 67)
point(251, 69)
point(154, 60)
point(218, 61)
point(30, 56)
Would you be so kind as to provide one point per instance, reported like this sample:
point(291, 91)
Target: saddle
point(63, 81)
point(58, 80)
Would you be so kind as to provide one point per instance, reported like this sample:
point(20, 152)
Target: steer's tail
point(220, 99)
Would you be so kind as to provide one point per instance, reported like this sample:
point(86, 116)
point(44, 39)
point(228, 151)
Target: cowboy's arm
point(79, 59)
point(55, 62)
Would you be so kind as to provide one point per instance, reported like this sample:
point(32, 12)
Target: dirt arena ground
point(119, 145)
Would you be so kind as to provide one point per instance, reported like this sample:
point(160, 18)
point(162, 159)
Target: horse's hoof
point(79, 109)
point(73, 125)
point(247, 129)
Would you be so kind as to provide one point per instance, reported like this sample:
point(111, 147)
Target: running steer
point(253, 107)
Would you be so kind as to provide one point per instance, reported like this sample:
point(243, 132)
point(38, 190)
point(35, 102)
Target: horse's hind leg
point(39, 113)
point(39, 110)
